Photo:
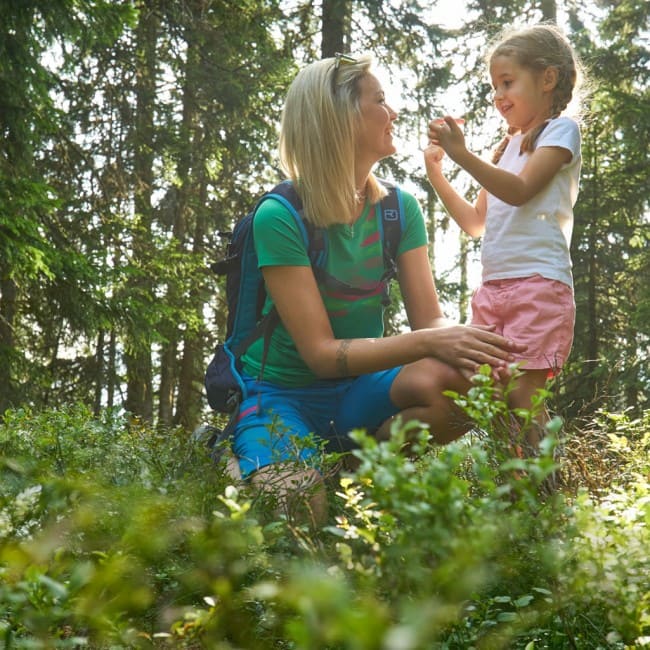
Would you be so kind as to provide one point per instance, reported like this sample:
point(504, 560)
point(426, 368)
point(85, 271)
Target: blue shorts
point(276, 422)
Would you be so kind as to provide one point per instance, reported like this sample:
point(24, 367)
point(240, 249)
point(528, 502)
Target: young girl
point(525, 206)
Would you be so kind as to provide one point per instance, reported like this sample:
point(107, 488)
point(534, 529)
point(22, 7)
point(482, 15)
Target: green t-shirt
point(354, 257)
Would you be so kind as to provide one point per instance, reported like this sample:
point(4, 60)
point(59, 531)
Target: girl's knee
point(526, 387)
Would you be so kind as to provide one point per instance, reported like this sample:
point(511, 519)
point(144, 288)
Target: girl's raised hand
point(446, 132)
point(433, 155)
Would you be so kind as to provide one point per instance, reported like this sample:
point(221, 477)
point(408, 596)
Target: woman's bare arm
point(299, 304)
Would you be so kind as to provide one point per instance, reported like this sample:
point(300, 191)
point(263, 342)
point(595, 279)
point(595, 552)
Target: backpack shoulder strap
point(250, 277)
point(314, 238)
point(392, 225)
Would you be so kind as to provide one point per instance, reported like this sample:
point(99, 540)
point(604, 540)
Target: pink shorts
point(535, 311)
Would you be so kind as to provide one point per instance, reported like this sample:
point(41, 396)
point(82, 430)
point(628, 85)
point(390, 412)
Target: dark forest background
point(133, 133)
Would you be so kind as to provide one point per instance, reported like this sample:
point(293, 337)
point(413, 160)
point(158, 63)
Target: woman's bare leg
point(418, 391)
point(300, 494)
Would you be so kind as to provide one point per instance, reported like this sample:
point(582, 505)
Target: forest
point(135, 134)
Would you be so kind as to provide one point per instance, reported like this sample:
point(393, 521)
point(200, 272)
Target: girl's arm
point(513, 189)
point(299, 304)
point(471, 218)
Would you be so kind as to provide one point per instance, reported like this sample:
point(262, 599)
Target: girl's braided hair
point(539, 47)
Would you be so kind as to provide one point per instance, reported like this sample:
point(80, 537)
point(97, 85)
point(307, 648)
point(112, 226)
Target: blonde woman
point(328, 368)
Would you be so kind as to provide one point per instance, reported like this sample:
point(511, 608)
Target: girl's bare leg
point(521, 398)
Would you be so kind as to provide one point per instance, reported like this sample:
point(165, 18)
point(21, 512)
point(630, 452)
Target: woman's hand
point(467, 347)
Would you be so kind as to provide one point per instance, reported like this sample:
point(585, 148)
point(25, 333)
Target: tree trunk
point(167, 381)
point(431, 225)
point(139, 401)
point(336, 27)
point(190, 388)
point(8, 294)
point(99, 372)
point(549, 10)
point(592, 348)
point(111, 375)
point(463, 258)
point(190, 152)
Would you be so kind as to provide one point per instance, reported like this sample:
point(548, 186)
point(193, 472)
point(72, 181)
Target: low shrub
point(113, 534)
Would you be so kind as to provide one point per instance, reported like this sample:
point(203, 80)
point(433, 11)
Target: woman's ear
point(550, 77)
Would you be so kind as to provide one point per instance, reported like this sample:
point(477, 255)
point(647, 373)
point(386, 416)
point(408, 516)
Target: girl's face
point(522, 96)
point(375, 135)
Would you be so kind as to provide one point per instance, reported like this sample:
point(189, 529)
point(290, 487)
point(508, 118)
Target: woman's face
point(375, 135)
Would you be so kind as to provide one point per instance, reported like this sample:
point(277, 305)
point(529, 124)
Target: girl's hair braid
point(537, 48)
point(501, 147)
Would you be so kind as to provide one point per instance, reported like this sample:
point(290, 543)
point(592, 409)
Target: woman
point(327, 368)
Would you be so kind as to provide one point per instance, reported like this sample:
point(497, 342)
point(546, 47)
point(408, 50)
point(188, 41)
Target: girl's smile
point(521, 96)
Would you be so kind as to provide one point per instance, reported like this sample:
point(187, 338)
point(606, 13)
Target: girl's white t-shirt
point(534, 238)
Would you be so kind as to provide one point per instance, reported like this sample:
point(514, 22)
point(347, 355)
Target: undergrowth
point(113, 534)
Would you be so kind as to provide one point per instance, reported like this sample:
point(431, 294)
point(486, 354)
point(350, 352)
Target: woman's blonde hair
point(537, 48)
point(320, 121)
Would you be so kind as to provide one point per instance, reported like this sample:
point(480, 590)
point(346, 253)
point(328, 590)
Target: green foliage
point(611, 217)
point(609, 561)
point(114, 534)
point(118, 173)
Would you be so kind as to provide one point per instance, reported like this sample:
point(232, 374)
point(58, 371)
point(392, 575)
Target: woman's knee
point(424, 383)
point(421, 396)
